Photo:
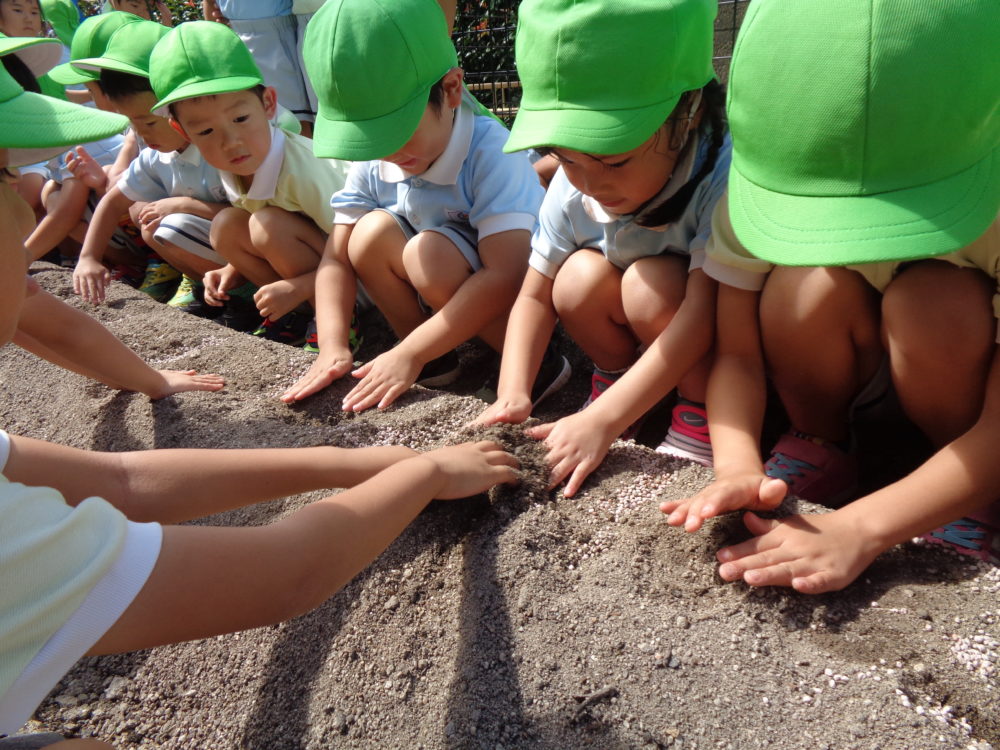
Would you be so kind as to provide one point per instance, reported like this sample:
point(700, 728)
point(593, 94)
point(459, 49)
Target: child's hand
point(576, 447)
point(812, 554)
point(472, 468)
point(90, 280)
point(754, 490)
point(328, 366)
point(383, 380)
point(182, 381)
point(84, 168)
point(510, 410)
point(218, 282)
point(278, 298)
point(151, 214)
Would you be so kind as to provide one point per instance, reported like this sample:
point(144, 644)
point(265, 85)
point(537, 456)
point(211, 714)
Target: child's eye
point(616, 164)
point(206, 131)
point(241, 118)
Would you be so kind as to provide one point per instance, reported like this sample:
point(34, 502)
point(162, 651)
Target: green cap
point(372, 64)
point(128, 49)
point(199, 58)
point(864, 130)
point(63, 16)
point(90, 40)
point(39, 55)
point(601, 77)
point(35, 128)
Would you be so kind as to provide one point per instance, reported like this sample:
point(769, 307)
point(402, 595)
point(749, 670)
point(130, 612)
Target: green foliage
point(182, 10)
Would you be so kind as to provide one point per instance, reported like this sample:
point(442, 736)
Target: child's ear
point(270, 101)
point(452, 84)
point(177, 126)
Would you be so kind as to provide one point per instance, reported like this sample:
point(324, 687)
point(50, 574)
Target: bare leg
point(63, 215)
point(820, 328)
point(376, 252)
point(940, 376)
point(587, 295)
point(230, 236)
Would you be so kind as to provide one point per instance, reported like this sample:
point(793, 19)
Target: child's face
point(153, 129)
point(232, 131)
point(431, 137)
point(20, 18)
point(622, 182)
point(135, 7)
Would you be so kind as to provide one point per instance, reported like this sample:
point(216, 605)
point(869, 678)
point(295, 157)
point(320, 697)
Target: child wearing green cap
point(170, 191)
point(87, 567)
point(619, 255)
point(435, 219)
point(275, 231)
point(879, 207)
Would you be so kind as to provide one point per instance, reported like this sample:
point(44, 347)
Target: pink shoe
point(688, 434)
point(815, 470)
point(967, 536)
point(598, 385)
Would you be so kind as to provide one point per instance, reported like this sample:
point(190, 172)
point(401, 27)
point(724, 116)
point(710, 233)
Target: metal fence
point(484, 36)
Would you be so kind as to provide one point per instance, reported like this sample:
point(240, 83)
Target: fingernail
point(725, 555)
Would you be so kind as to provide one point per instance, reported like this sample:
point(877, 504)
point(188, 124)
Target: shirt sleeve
point(507, 193)
point(726, 260)
point(140, 181)
point(358, 196)
point(554, 239)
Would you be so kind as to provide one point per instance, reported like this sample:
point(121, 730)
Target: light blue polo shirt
point(473, 183)
point(249, 10)
point(154, 175)
point(571, 221)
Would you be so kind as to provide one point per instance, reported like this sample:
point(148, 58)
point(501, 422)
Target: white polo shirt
point(154, 175)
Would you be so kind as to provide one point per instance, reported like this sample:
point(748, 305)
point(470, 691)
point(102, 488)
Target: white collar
point(191, 155)
point(265, 179)
point(447, 167)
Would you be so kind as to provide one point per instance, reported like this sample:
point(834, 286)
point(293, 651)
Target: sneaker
point(553, 373)
point(239, 314)
point(967, 536)
point(127, 275)
point(161, 280)
point(441, 371)
point(289, 329)
point(312, 338)
point(815, 470)
point(599, 383)
point(688, 434)
point(187, 292)
point(354, 339)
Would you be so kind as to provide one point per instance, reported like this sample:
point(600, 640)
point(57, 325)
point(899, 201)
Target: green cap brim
point(205, 88)
point(97, 64)
point(36, 127)
point(364, 140)
point(920, 222)
point(67, 75)
point(39, 55)
point(588, 131)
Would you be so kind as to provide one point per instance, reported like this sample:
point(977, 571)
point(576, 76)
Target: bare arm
point(156, 485)
point(336, 290)
point(216, 580)
point(90, 277)
point(69, 338)
point(736, 401)
point(578, 443)
point(529, 329)
point(818, 553)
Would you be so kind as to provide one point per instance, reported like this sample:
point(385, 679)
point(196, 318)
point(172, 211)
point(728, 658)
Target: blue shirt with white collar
point(571, 221)
point(154, 175)
point(473, 182)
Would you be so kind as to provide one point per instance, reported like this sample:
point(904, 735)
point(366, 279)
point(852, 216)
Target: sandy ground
point(519, 620)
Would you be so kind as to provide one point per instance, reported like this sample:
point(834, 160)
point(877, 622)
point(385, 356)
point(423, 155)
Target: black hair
point(118, 85)
point(435, 98)
point(712, 125)
point(21, 73)
point(259, 90)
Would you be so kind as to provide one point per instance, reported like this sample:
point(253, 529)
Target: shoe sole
point(560, 380)
point(445, 378)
